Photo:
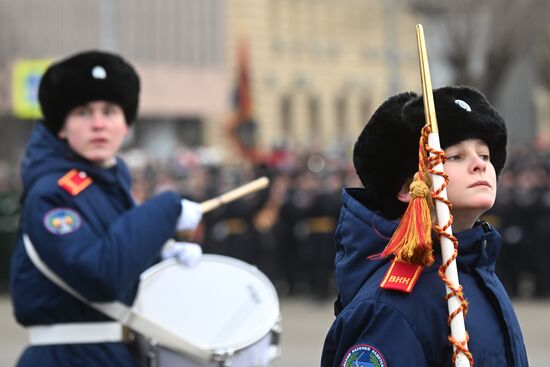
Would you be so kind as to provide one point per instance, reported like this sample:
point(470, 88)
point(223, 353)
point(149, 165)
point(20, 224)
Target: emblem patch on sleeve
point(363, 355)
point(62, 221)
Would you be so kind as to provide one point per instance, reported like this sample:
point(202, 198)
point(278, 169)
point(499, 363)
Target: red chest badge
point(401, 276)
point(74, 181)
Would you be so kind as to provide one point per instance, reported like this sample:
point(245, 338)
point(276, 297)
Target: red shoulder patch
point(401, 276)
point(74, 181)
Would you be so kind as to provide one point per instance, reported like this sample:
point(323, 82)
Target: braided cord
point(434, 158)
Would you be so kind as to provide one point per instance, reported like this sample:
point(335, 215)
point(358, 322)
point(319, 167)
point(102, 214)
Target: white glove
point(186, 253)
point(190, 216)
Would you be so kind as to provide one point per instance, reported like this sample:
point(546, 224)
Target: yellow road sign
point(26, 76)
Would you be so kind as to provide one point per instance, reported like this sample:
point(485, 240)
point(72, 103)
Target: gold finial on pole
point(429, 106)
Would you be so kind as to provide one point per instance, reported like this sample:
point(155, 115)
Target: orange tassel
point(412, 240)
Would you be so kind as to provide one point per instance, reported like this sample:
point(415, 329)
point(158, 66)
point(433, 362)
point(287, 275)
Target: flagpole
point(444, 218)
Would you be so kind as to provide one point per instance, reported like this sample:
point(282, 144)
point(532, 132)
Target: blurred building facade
point(318, 68)
point(177, 47)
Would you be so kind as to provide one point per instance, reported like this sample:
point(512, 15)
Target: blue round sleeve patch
point(62, 221)
point(363, 355)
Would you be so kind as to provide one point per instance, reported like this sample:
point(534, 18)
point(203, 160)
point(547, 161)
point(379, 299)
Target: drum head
point(220, 304)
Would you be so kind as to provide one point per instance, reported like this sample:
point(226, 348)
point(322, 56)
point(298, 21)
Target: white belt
point(76, 333)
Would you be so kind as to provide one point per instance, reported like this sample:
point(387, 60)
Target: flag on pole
point(242, 127)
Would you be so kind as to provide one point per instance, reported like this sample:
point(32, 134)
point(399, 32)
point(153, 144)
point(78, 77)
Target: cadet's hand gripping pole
point(444, 218)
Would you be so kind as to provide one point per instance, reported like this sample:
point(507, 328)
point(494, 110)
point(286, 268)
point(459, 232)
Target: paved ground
point(304, 326)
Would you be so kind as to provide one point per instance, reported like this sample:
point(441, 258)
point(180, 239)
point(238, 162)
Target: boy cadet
point(381, 327)
point(81, 219)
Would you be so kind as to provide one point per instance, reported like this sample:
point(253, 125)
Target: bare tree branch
point(542, 58)
point(486, 38)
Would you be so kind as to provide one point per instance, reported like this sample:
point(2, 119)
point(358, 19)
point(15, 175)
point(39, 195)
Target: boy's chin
point(481, 202)
point(480, 207)
point(474, 208)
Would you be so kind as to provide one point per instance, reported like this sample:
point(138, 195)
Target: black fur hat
point(85, 77)
point(386, 152)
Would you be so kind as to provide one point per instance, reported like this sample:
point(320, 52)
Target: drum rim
point(255, 337)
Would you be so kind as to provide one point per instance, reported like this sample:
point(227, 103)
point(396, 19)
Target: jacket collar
point(46, 154)
point(362, 232)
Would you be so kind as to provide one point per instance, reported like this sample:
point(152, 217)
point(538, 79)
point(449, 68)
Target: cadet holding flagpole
point(449, 246)
point(392, 307)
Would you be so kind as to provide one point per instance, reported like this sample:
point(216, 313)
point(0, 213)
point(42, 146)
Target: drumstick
point(234, 194)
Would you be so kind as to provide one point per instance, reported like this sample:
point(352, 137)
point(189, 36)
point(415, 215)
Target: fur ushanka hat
point(86, 77)
point(385, 154)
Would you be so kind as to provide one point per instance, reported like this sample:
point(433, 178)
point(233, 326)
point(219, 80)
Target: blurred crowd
point(287, 230)
point(10, 192)
point(522, 216)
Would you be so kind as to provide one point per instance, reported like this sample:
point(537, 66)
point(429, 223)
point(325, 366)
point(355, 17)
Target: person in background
point(79, 215)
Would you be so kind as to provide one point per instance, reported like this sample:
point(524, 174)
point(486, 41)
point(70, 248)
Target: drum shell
point(247, 336)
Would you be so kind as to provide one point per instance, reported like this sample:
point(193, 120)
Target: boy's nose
point(98, 120)
point(478, 164)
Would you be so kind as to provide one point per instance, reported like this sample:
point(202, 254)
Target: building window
point(161, 137)
point(341, 116)
point(364, 111)
point(286, 118)
point(314, 119)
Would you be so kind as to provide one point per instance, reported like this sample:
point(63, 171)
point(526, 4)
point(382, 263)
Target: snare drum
point(222, 305)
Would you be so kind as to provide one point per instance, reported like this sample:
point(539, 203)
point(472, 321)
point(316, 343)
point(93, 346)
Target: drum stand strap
point(122, 313)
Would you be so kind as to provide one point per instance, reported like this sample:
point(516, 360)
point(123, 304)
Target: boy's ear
point(61, 134)
point(404, 195)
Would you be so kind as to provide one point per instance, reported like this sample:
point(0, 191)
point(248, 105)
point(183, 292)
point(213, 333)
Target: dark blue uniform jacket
point(379, 327)
point(107, 245)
